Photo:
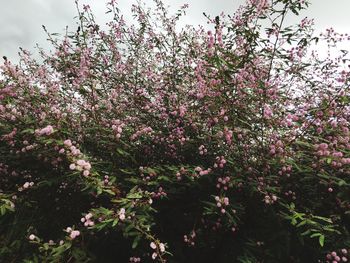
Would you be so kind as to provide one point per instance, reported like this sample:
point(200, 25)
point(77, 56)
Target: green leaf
point(99, 190)
point(136, 241)
point(323, 219)
point(306, 232)
point(30, 131)
point(2, 210)
point(134, 196)
point(122, 152)
point(301, 223)
point(341, 182)
point(109, 191)
point(315, 235)
point(126, 171)
point(115, 222)
point(321, 240)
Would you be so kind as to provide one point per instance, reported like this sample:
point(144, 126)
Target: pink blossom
point(46, 131)
point(122, 214)
point(267, 112)
point(74, 234)
point(226, 201)
point(81, 162)
point(67, 143)
point(153, 245)
point(161, 247)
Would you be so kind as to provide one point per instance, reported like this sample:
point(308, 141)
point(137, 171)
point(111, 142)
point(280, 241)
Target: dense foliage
point(152, 142)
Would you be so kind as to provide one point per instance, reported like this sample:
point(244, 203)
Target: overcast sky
point(21, 20)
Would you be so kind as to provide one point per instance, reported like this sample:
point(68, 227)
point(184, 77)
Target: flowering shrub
point(153, 143)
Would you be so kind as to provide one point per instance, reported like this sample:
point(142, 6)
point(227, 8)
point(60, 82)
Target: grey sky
point(21, 20)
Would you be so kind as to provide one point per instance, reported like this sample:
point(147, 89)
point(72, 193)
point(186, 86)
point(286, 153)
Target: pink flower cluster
point(200, 171)
point(228, 135)
point(190, 239)
point(322, 149)
point(154, 246)
point(134, 259)
point(220, 162)
point(146, 130)
point(25, 186)
point(202, 150)
point(211, 41)
point(278, 147)
point(180, 173)
point(221, 203)
point(335, 257)
point(32, 237)
point(160, 193)
point(45, 131)
point(81, 165)
point(117, 127)
point(27, 146)
point(223, 182)
point(87, 220)
point(73, 149)
point(285, 170)
point(9, 137)
point(267, 112)
point(121, 214)
point(291, 194)
point(72, 233)
point(270, 199)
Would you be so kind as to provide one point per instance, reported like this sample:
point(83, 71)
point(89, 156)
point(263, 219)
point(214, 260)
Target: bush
point(150, 142)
